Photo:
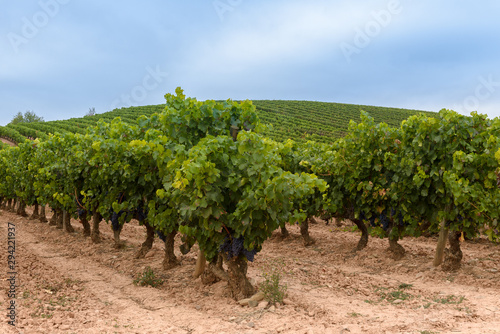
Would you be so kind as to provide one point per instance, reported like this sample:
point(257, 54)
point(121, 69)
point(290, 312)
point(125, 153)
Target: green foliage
point(217, 187)
point(300, 121)
point(450, 299)
point(148, 278)
point(447, 171)
point(118, 156)
point(323, 122)
point(355, 169)
point(28, 117)
point(273, 288)
point(297, 158)
point(11, 134)
point(184, 163)
point(403, 286)
point(225, 187)
point(187, 120)
point(394, 294)
point(27, 131)
point(8, 173)
point(354, 314)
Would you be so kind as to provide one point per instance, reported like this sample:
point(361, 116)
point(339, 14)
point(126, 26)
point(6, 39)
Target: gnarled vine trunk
point(170, 261)
point(60, 219)
point(236, 276)
point(11, 205)
point(148, 243)
point(116, 237)
point(41, 217)
point(214, 272)
point(21, 209)
point(453, 255)
point(398, 252)
point(443, 236)
point(53, 220)
point(96, 220)
point(284, 232)
point(86, 226)
point(200, 264)
point(363, 241)
point(67, 222)
point(35, 214)
point(304, 231)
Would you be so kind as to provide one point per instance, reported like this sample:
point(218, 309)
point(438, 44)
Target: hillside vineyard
point(218, 174)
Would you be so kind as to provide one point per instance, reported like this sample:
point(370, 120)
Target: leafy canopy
point(28, 117)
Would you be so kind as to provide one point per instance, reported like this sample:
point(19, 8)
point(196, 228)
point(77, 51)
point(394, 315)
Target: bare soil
point(8, 142)
point(67, 284)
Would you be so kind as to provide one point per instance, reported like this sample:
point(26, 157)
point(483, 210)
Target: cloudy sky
point(59, 58)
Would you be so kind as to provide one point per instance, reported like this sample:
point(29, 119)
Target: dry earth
point(5, 141)
point(66, 284)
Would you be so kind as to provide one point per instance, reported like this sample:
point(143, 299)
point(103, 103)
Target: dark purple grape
point(161, 235)
point(250, 254)
point(385, 221)
point(233, 247)
point(115, 223)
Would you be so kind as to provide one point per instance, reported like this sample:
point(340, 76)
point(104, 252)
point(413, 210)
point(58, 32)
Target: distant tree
point(19, 118)
point(91, 112)
point(28, 117)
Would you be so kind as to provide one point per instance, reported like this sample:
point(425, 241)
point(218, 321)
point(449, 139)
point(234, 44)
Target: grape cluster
point(115, 223)
point(363, 217)
point(384, 220)
point(372, 220)
point(249, 254)
point(161, 235)
point(233, 247)
point(400, 219)
point(81, 212)
point(141, 214)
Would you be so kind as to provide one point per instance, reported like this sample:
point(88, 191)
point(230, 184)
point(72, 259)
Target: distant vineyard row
point(297, 120)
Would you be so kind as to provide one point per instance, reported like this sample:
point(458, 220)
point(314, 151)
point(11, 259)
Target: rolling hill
point(297, 120)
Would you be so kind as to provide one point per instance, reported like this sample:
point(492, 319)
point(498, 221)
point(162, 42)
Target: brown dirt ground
point(66, 284)
point(5, 141)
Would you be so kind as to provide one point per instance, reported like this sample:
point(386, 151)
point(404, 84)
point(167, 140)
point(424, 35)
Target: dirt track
point(66, 284)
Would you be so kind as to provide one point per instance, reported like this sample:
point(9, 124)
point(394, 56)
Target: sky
point(59, 58)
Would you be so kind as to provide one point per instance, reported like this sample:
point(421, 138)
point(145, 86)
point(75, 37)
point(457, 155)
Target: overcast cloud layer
point(59, 58)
